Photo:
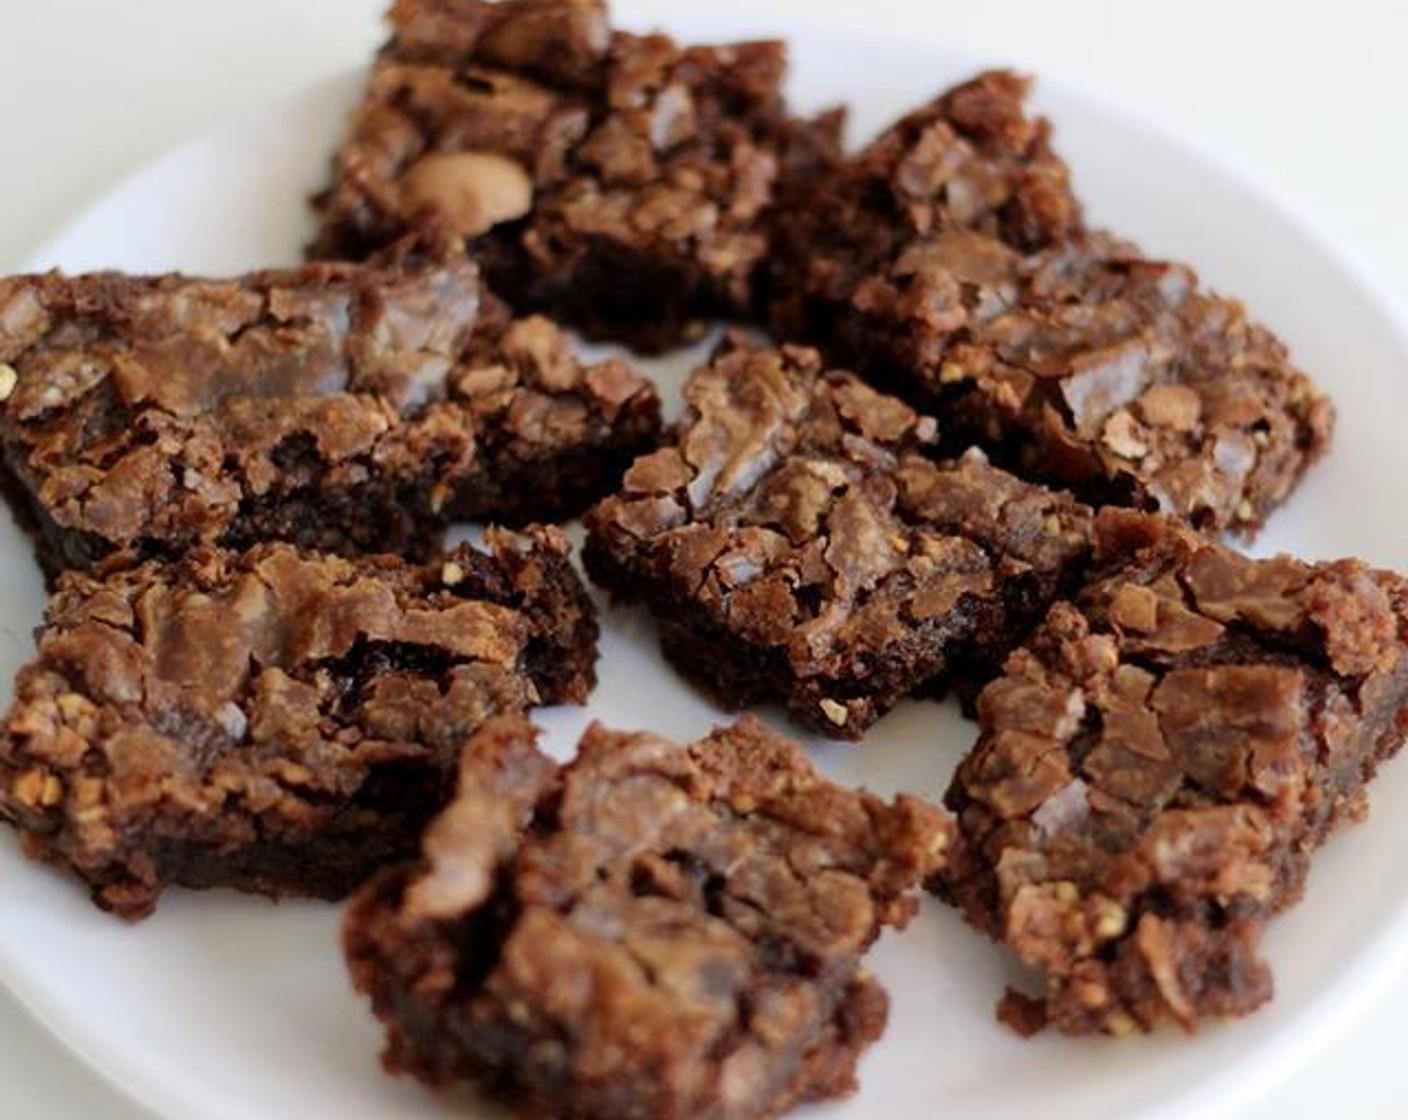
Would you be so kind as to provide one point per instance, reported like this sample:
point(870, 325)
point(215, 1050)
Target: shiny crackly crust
point(644, 170)
point(797, 542)
point(341, 407)
point(1157, 763)
point(652, 930)
point(275, 720)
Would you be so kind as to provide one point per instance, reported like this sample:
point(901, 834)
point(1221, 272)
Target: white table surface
point(1308, 95)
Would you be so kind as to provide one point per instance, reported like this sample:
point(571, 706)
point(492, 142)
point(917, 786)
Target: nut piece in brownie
point(1156, 765)
point(340, 407)
point(652, 930)
point(618, 181)
point(275, 720)
point(1088, 366)
point(797, 543)
point(971, 160)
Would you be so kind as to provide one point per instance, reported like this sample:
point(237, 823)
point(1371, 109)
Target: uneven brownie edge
point(275, 720)
point(346, 408)
point(1157, 764)
point(795, 542)
point(620, 182)
point(651, 930)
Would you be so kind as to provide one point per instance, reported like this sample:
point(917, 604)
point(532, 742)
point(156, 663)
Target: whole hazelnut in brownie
point(275, 720)
point(947, 262)
point(1157, 764)
point(796, 541)
point(346, 408)
point(619, 181)
point(652, 930)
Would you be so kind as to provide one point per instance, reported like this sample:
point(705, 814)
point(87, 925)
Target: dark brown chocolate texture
point(652, 930)
point(340, 407)
point(619, 181)
point(948, 263)
point(275, 720)
point(796, 542)
point(1157, 763)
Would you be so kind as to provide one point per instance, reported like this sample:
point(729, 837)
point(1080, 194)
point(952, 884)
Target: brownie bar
point(970, 160)
point(1157, 763)
point(340, 407)
point(618, 181)
point(652, 930)
point(796, 542)
point(1092, 367)
point(948, 263)
point(275, 720)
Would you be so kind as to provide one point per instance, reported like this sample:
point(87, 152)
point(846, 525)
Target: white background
point(1308, 95)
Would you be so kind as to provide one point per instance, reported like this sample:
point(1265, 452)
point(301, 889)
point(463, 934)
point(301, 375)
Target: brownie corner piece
point(653, 929)
point(274, 720)
point(618, 181)
point(797, 542)
point(347, 408)
point(1158, 762)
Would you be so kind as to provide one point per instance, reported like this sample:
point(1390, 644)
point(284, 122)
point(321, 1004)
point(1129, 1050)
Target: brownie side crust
point(620, 182)
point(796, 543)
point(1157, 764)
point(342, 408)
point(652, 930)
point(275, 720)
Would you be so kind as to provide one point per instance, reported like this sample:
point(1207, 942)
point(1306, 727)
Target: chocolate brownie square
point(796, 542)
point(1158, 762)
point(275, 720)
point(1089, 366)
point(651, 930)
point(339, 407)
point(948, 263)
point(970, 160)
point(618, 181)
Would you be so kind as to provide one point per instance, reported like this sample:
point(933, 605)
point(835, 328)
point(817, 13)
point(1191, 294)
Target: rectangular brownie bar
point(1157, 763)
point(275, 720)
point(619, 181)
point(651, 930)
point(796, 542)
point(340, 407)
point(947, 262)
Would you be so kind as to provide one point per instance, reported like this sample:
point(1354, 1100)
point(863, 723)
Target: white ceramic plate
point(224, 1007)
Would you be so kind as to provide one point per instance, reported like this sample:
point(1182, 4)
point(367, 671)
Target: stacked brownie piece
point(988, 451)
